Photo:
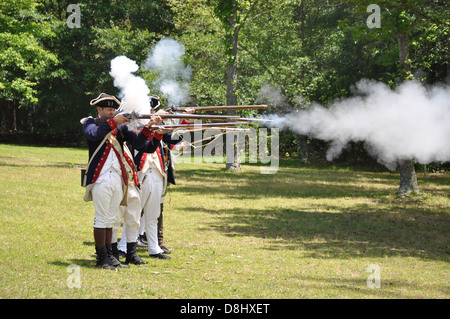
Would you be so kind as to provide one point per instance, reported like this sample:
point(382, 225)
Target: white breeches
point(152, 183)
point(131, 215)
point(106, 196)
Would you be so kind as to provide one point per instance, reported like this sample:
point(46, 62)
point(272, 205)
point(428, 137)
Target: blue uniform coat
point(96, 133)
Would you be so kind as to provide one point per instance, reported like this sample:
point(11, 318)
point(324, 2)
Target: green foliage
point(52, 71)
point(427, 25)
point(23, 58)
point(311, 51)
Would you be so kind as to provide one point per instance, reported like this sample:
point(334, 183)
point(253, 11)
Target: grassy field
point(303, 232)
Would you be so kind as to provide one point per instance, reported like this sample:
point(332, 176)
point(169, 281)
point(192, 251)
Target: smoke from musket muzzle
point(410, 122)
point(165, 58)
point(133, 89)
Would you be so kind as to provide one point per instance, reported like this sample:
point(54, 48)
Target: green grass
point(304, 232)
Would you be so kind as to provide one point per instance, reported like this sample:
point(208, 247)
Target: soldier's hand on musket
point(120, 119)
point(155, 119)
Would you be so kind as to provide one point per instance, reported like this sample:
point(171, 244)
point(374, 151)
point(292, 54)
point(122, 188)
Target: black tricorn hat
point(154, 101)
point(106, 100)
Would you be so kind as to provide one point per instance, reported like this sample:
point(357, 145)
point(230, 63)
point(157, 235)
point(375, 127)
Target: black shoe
point(160, 256)
point(141, 243)
point(165, 250)
point(132, 257)
point(143, 238)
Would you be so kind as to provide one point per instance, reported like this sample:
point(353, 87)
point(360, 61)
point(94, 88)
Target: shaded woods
point(285, 54)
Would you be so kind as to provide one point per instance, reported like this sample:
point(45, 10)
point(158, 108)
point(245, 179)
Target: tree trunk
point(403, 51)
point(232, 161)
point(408, 179)
point(14, 119)
point(304, 149)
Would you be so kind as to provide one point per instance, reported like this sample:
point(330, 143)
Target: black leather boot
point(115, 261)
point(102, 259)
point(132, 257)
point(115, 250)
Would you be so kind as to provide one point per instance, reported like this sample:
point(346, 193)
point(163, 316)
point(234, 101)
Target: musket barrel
point(195, 125)
point(133, 116)
point(219, 108)
point(187, 116)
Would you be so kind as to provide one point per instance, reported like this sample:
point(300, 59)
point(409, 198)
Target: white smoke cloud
point(133, 89)
point(410, 122)
point(272, 95)
point(165, 58)
point(275, 99)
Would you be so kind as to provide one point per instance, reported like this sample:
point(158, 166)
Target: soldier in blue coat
point(109, 170)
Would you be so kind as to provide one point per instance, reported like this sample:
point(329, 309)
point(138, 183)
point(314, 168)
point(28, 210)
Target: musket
point(218, 126)
point(216, 108)
point(134, 115)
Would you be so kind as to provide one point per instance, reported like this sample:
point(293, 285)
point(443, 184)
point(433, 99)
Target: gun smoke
point(165, 58)
point(410, 122)
point(133, 89)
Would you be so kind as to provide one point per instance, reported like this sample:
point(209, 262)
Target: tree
point(125, 28)
point(225, 19)
point(227, 12)
point(24, 60)
point(408, 178)
point(403, 20)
